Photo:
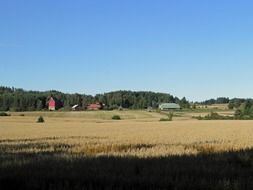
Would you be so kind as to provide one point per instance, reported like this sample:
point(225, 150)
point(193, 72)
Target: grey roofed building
point(169, 106)
point(75, 107)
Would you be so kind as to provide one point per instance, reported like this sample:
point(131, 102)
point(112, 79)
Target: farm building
point(75, 107)
point(169, 106)
point(95, 106)
point(52, 104)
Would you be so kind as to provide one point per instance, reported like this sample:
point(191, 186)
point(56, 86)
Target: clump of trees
point(243, 112)
point(237, 102)
point(14, 99)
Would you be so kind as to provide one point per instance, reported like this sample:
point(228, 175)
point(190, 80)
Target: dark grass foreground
point(233, 170)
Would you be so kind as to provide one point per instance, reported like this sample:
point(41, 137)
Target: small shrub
point(165, 119)
point(4, 114)
point(116, 117)
point(40, 120)
point(170, 116)
point(246, 117)
point(22, 115)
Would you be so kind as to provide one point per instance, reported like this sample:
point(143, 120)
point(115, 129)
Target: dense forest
point(14, 99)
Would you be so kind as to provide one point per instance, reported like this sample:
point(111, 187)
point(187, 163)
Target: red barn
point(51, 104)
point(96, 106)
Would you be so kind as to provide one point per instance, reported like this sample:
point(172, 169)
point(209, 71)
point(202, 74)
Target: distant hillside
point(14, 99)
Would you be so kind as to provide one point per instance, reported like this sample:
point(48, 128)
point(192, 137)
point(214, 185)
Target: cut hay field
point(89, 150)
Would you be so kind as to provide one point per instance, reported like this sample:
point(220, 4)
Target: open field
point(96, 133)
point(79, 150)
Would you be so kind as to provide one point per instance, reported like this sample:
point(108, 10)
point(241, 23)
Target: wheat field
point(89, 150)
point(138, 134)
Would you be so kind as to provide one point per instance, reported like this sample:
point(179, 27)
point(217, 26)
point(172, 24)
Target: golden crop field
point(89, 150)
point(139, 133)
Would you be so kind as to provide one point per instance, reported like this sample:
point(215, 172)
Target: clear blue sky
point(198, 49)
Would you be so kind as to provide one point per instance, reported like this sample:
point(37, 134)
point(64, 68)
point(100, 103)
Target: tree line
point(220, 100)
point(16, 99)
point(234, 103)
point(243, 111)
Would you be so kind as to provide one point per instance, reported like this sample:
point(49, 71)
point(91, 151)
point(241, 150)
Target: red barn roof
point(51, 104)
point(95, 106)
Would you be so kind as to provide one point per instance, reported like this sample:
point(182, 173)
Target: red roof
point(95, 106)
point(51, 102)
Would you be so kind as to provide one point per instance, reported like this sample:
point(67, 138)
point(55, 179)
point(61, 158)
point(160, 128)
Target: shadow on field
point(62, 170)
